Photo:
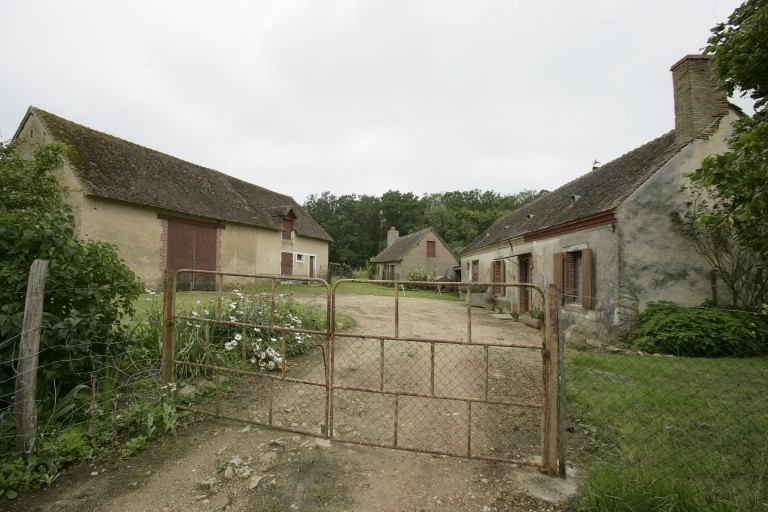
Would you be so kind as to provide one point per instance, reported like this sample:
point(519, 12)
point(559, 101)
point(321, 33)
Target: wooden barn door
point(192, 245)
point(286, 263)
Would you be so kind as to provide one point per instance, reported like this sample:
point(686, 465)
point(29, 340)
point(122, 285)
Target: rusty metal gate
point(486, 390)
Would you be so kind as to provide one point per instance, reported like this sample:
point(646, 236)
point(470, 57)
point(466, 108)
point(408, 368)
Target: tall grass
point(672, 433)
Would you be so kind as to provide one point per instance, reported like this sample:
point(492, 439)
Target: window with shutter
point(572, 273)
point(498, 277)
point(430, 249)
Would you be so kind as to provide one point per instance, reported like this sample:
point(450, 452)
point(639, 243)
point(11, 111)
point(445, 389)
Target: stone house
point(423, 251)
point(607, 238)
point(164, 213)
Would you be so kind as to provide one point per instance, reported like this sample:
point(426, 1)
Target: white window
point(299, 257)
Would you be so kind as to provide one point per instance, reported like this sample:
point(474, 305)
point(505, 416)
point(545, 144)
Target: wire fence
point(692, 426)
point(88, 398)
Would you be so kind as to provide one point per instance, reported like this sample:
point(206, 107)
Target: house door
point(311, 266)
point(192, 246)
point(524, 276)
point(286, 263)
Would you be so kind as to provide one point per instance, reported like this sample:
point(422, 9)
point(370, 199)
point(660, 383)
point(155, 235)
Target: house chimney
point(392, 236)
point(697, 101)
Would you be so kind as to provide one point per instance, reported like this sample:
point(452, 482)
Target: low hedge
point(668, 328)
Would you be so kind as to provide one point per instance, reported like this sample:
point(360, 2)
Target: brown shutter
point(587, 287)
point(557, 272)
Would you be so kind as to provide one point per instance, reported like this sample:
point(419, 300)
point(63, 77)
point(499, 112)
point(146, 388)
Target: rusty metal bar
point(271, 395)
point(248, 373)
point(207, 337)
point(469, 428)
point(437, 341)
point(432, 369)
point(283, 355)
point(469, 313)
point(521, 462)
point(486, 372)
point(168, 374)
point(243, 349)
point(397, 310)
point(397, 418)
point(250, 422)
point(439, 397)
point(381, 365)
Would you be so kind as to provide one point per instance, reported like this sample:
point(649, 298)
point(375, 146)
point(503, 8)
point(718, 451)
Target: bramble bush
point(668, 328)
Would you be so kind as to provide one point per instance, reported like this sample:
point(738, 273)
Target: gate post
point(551, 409)
point(168, 338)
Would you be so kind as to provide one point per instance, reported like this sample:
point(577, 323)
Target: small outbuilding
point(423, 252)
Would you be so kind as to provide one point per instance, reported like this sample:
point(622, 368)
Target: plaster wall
point(417, 258)
point(135, 231)
point(658, 262)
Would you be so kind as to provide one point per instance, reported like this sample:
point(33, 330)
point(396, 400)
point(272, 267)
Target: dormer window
point(287, 228)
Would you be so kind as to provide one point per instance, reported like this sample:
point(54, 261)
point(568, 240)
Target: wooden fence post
point(168, 339)
point(25, 408)
point(551, 409)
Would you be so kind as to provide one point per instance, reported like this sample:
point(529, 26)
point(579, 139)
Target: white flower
point(198, 302)
point(238, 337)
point(257, 329)
point(232, 319)
point(271, 365)
point(273, 339)
point(205, 311)
point(253, 360)
point(230, 345)
point(194, 313)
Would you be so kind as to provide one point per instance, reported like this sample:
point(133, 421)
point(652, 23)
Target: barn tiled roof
point(601, 191)
point(113, 168)
point(403, 245)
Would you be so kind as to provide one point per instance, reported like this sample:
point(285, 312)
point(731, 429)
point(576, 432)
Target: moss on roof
point(600, 191)
point(112, 168)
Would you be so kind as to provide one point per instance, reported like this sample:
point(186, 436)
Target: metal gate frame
point(552, 403)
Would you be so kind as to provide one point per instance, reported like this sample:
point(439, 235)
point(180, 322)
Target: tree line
point(359, 223)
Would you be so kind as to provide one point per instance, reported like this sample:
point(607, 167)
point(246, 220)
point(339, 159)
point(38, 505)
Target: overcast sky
point(360, 97)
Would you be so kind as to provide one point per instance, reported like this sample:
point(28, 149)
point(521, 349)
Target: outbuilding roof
point(404, 245)
point(112, 168)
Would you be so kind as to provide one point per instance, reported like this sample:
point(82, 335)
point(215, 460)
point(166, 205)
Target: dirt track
point(270, 470)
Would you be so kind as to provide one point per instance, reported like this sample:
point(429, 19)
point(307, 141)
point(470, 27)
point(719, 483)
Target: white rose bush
point(245, 337)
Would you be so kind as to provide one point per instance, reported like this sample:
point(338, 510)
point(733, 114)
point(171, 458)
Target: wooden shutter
point(587, 286)
point(430, 249)
point(557, 272)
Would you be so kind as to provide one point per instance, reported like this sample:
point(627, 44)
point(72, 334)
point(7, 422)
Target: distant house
point(423, 251)
point(165, 213)
point(607, 239)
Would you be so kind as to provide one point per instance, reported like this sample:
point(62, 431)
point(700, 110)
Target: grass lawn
point(188, 300)
point(672, 433)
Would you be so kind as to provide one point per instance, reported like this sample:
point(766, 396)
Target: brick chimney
point(697, 100)
point(392, 236)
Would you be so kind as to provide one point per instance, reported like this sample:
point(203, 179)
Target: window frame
point(564, 276)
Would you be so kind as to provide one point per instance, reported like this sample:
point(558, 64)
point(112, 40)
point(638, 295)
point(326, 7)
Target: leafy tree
point(739, 177)
point(716, 240)
point(88, 290)
point(358, 224)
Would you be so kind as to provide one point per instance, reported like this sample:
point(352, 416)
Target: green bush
point(421, 275)
point(667, 328)
point(88, 292)
point(259, 347)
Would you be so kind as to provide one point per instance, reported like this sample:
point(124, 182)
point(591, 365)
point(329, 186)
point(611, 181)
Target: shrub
point(421, 275)
point(88, 292)
point(259, 346)
point(668, 328)
point(340, 270)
